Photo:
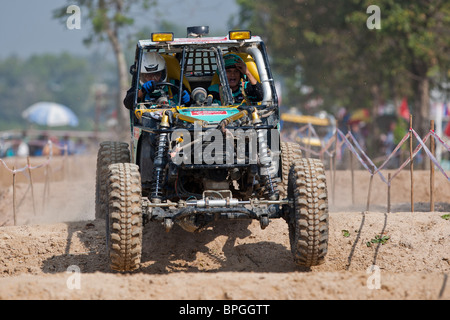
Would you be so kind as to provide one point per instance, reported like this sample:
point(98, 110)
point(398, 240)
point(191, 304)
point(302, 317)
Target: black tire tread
point(308, 225)
point(290, 154)
point(125, 217)
point(110, 152)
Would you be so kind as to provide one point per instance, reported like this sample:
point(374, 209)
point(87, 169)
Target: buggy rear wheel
point(124, 220)
point(308, 219)
point(290, 154)
point(109, 153)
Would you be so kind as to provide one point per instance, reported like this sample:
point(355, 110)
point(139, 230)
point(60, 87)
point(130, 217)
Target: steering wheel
point(167, 84)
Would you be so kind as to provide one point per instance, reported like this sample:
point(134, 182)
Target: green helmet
point(231, 60)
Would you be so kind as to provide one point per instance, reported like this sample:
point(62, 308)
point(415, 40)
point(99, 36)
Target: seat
point(174, 70)
point(249, 61)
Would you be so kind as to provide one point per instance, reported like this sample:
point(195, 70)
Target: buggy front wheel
point(124, 219)
point(308, 218)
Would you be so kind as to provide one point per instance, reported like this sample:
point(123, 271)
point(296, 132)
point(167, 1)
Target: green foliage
point(345, 233)
point(108, 18)
point(327, 45)
point(378, 239)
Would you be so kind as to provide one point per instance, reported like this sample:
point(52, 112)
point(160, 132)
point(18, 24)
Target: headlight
point(240, 35)
point(162, 37)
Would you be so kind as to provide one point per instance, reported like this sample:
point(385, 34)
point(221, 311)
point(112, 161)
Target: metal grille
point(201, 62)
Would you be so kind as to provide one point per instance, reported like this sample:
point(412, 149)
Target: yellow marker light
point(179, 139)
point(162, 37)
point(240, 35)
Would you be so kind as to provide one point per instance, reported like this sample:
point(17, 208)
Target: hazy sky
point(27, 26)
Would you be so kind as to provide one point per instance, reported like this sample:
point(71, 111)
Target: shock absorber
point(264, 158)
point(158, 163)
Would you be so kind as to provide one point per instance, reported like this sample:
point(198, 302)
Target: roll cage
point(200, 58)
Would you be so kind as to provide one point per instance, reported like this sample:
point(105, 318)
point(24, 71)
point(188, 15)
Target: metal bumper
point(216, 209)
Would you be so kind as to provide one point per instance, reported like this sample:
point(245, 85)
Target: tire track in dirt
point(232, 260)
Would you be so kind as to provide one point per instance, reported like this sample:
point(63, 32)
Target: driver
point(153, 71)
point(236, 70)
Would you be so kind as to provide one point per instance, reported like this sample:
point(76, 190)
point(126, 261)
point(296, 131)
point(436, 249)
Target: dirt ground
point(234, 260)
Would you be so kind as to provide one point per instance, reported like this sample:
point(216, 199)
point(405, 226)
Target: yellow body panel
point(296, 118)
point(174, 70)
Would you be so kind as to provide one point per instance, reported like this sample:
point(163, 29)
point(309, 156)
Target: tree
point(415, 39)
point(60, 78)
point(108, 18)
point(331, 48)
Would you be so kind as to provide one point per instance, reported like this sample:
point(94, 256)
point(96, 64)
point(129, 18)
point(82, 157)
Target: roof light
point(162, 37)
point(198, 32)
point(240, 35)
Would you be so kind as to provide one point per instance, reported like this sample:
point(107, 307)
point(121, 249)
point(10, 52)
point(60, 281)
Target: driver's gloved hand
point(149, 86)
point(186, 97)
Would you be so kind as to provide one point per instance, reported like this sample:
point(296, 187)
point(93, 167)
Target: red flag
point(447, 129)
point(404, 109)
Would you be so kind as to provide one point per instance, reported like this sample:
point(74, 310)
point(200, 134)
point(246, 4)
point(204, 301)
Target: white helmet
point(153, 62)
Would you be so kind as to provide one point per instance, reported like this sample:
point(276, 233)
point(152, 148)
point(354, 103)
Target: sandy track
point(233, 260)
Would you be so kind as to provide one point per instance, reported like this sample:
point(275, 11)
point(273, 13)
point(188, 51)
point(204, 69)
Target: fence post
point(46, 187)
point(334, 162)
point(370, 191)
point(331, 176)
point(389, 194)
point(432, 147)
point(31, 184)
point(308, 151)
point(14, 195)
point(352, 170)
point(411, 164)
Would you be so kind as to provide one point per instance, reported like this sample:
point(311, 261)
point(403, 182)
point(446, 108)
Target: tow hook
point(168, 224)
point(264, 221)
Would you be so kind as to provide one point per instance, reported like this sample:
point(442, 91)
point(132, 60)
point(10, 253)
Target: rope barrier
point(440, 140)
point(339, 139)
point(46, 163)
point(430, 155)
point(26, 171)
point(348, 140)
point(358, 151)
point(419, 147)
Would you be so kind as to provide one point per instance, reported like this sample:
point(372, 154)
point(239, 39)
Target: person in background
point(80, 147)
point(23, 150)
point(66, 142)
point(55, 150)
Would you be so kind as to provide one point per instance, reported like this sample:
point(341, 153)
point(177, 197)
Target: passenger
point(237, 70)
point(153, 71)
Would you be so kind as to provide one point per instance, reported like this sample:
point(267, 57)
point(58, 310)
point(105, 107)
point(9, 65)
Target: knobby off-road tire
point(308, 220)
point(290, 154)
point(124, 220)
point(108, 153)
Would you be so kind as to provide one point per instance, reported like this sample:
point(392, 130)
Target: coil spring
point(271, 186)
point(263, 149)
point(158, 168)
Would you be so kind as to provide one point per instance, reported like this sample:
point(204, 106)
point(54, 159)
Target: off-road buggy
point(195, 165)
